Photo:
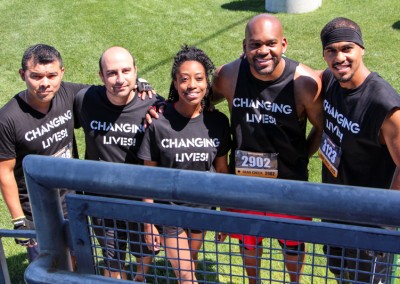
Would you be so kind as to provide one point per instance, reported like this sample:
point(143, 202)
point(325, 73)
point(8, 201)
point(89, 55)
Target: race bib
point(256, 164)
point(65, 152)
point(330, 154)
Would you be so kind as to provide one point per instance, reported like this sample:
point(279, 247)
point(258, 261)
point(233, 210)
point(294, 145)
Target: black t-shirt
point(175, 141)
point(112, 133)
point(352, 121)
point(24, 131)
point(264, 120)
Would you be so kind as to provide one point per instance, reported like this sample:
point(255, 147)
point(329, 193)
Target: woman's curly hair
point(192, 53)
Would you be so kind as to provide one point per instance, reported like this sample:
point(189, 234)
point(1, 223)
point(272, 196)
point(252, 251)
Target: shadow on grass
point(164, 273)
point(247, 5)
point(396, 25)
point(16, 266)
point(161, 272)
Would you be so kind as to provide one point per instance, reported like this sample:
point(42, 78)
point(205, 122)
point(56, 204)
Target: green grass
point(154, 30)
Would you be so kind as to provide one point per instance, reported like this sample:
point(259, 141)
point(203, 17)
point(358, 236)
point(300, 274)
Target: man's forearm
point(313, 141)
point(11, 198)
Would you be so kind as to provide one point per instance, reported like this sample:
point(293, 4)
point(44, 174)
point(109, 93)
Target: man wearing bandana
point(361, 141)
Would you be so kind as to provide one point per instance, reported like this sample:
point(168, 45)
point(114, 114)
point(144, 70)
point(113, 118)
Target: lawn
point(154, 30)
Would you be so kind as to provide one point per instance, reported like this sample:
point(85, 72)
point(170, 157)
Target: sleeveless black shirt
point(264, 119)
point(352, 120)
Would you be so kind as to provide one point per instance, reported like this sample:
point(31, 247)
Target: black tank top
point(264, 119)
point(352, 120)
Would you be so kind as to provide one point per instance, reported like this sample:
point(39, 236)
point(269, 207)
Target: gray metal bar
point(45, 174)
point(4, 275)
point(332, 202)
point(38, 272)
point(210, 220)
point(17, 233)
point(46, 209)
point(80, 237)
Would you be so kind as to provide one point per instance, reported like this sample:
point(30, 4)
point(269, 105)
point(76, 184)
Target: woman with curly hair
point(186, 136)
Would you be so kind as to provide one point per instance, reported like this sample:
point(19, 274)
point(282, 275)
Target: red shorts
point(250, 242)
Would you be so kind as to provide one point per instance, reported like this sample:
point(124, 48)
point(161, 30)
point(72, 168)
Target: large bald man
point(111, 116)
point(270, 99)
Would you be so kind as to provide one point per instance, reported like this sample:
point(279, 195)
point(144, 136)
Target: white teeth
point(339, 67)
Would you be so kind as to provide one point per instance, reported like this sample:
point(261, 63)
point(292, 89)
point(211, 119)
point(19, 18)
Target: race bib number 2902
point(330, 154)
point(256, 164)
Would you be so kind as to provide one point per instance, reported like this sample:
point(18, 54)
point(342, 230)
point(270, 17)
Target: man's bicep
point(390, 132)
point(217, 94)
point(390, 135)
point(8, 184)
point(224, 81)
point(9, 188)
point(7, 172)
point(221, 164)
point(308, 96)
point(315, 113)
point(217, 97)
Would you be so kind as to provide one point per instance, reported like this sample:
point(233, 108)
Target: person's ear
point(22, 74)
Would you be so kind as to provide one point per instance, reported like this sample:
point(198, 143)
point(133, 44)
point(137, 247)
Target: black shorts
point(173, 231)
point(289, 250)
point(113, 237)
point(360, 265)
point(292, 249)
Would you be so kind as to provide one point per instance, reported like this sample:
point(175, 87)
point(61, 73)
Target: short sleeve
point(7, 140)
point(226, 141)
point(148, 149)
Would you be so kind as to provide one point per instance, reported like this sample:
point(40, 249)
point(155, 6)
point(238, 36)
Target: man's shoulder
point(380, 90)
point(307, 78)
point(224, 80)
point(229, 69)
point(89, 93)
point(10, 108)
point(305, 70)
point(74, 87)
point(91, 89)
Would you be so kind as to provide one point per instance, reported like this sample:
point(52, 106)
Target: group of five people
point(354, 114)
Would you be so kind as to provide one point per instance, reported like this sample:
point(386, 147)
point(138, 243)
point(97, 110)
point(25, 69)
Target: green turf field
point(154, 30)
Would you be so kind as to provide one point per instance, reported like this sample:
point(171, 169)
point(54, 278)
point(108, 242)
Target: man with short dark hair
point(361, 140)
point(38, 120)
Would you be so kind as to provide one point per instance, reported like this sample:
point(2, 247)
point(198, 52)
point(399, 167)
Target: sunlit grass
point(154, 30)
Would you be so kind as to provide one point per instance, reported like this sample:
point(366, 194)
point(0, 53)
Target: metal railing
point(4, 233)
point(219, 262)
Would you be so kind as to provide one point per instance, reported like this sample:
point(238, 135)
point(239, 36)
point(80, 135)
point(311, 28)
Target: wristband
point(19, 221)
point(20, 217)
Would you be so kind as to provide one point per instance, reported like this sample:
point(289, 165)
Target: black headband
point(342, 34)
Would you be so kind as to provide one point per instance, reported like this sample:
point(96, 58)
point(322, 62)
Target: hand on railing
point(21, 223)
